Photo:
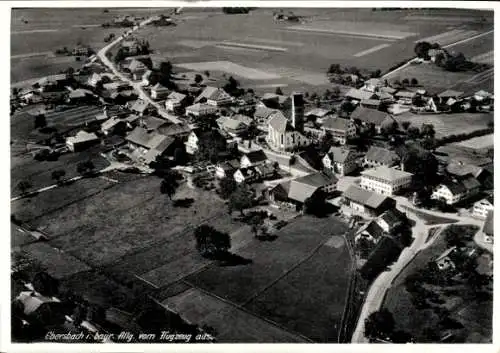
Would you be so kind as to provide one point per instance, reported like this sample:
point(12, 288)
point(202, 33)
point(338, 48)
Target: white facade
point(481, 209)
point(342, 168)
point(287, 140)
point(443, 192)
point(384, 186)
point(192, 143)
point(200, 110)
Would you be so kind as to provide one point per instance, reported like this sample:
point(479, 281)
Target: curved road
point(136, 85)
point(376, 294)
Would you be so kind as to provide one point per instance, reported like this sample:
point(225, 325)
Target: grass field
point(486, 141)
point(298, 264)
point(448, 124)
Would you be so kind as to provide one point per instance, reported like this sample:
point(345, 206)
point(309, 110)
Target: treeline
point(236, 10)
point(464, 136)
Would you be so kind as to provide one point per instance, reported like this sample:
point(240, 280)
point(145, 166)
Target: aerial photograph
point(251, 175)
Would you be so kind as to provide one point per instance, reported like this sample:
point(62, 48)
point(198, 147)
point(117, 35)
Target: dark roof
point(382, 155)
point(392, 217)
point(372, 228)
point(370, 116)
point(364, 197)
point(256, 156)
point(340, 154)
point(248, 171)
point(336, 124)
point(139, 136)
point(449, 93)
point(153, 123)
point(263, 112)
point(317, 179)
point(488, 224)
point(358, 94)
point(174, 129)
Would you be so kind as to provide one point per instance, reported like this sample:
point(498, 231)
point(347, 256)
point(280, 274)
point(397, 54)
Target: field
point(299, 264)
point(448, 124)
point(474, 314)
point(486, 141)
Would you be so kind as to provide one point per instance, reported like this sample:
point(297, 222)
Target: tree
point(45, 284)
point(422, 50)
point(169, 184)
point(207, 73)
point(326, 142)
point(380, 324)
point(315, 204)
point(413, 132)
point(335, 69)
point(58, 174)
point(166, 69)
point(227, 186)
point(256, 222)
point(405, 125)
point(239, 200)
point(198, 79)
point(414, 81)
point(211, 242)
point(23, 186)
point(120, 55)
point(405, 82)
point(40, 121)
point(278, 91)
point(428, 130)
point(86, 167)
point(336, 91)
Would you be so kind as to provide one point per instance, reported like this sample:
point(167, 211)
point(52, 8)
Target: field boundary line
point(240, 307)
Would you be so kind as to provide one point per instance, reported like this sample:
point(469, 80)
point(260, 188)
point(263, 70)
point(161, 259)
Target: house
point(298, 190)
point(377, 156)
point(111, 126)
point(152, 123)
point(371, 103)
point(482, 95)
point(116, 86)
point(369, 117)
point(159, 91)
point(432, 53)
point(366, 202)
point(233, 125)
point(316, 113)
point(444, 261)
point(340, 160)
point(142, 107)
point(385, 180)
point(94, 79)
point(81, 141)
point(455, 190)
point(383, 97)
point(253, 158)
point(460, 169)
point(52, 82)
point(200, 110)
point(405, 97)
point(372, 85)
point(272, 100)
point(371, 232)
point(266, 171)
point(175, 130)
point(131, 47)
point(387, 89)
point(80, 95)
point(226, 168)
point(357, 95)
point(482, 207)
point(287, 133)
point(193, 141)
point(450, 96)
point(214, 96)
point(246, 175)
point(81, 50)
point(262, 114)
point(146, 78)
point(175, 100)
point(342, 130)
point(137, 69)
point(391, 219)
point(487, 230)
point(149, 145)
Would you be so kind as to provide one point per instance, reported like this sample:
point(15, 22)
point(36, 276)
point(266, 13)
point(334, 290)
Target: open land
point(486, 141)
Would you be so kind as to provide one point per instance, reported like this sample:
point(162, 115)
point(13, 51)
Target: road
point(377, 292)
point(136, 85)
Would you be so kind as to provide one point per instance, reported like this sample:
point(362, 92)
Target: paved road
point(383, 282)
point(136, 85)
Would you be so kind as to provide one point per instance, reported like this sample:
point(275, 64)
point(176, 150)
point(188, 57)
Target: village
point(278, 159)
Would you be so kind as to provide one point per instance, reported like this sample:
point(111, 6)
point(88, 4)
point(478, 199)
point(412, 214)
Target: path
point(377, 292)
point(136, 85)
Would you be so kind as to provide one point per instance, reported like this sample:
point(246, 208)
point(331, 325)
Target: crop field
point(448, 124)
point(486, 141)
point(298, 264)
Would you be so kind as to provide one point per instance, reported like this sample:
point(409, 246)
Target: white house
point(456, 190)
point(372, 85)
point(192, 143)
point(340, 160)
point(482, 207)
point(341, 129)
point(214, 96)
point(226, 168)
point(159, 91)
point(81, 141)
point(246, 175)
point(175, 100)
point(253, 158)
point(385, 180)
point(200, 109)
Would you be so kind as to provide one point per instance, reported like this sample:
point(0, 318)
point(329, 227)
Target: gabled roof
point(139, 136)
point(262, 112)
point(256, 156)
point(136, 65)
point(372, 228)
point(300, 192)
point(319, 112)
point(176, 96)
point(336, 124)
point(370, 116)
point(159, 87)
point(358, 94)
point(364, 197)
point(82, 136)
point(470, 183)
point(229, 166)
point(449, 93)
point(405, 94)
point(392, 217)
point(388, 89)
point(317, 179)
point(140, 106)
point(488, 224)
point(339, 154)
point(152, 122)
point(461, 169)
point(174, 129)
point(386, 173)
point(382, 156)
point(278, 122)
point(248, 171)
point(374, 82)
point(110, 123)
point(370, 102)
point(212, 93)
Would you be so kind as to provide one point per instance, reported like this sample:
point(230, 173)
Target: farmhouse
point(200, 109)
point(142, 107)
point(371, 103)
point(405, 97)
point(366, 202)
point(450, 96)
point(175, 130)
point(341, 129)
point(137, 69)
point(384, 224)
point(371, 232)
point(235, 125)
point(131, 46)
point(149, 145)
point(455, 190)
point(80, 96)
point(246, 175)
point(113, 125)
point(384, 180)
point(159, 91)
point(373, 117)
point(487, 230)
point(226, 168)
point(482, 207)
point(316, 113)
point(298, 190)
point(193, 142)
point(52, 82)
point(357, 95)
point(175, 100)
point(151, 123)
point(81, 141)
point(378, 156)
point(272, 100)
point(372, 85)
point(214, 96)
point(340, 160)
point(253, 158)
point(262, 114)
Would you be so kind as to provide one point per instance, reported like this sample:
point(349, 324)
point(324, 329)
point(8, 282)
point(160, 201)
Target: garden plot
point(365, 29)
point(230, 68)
